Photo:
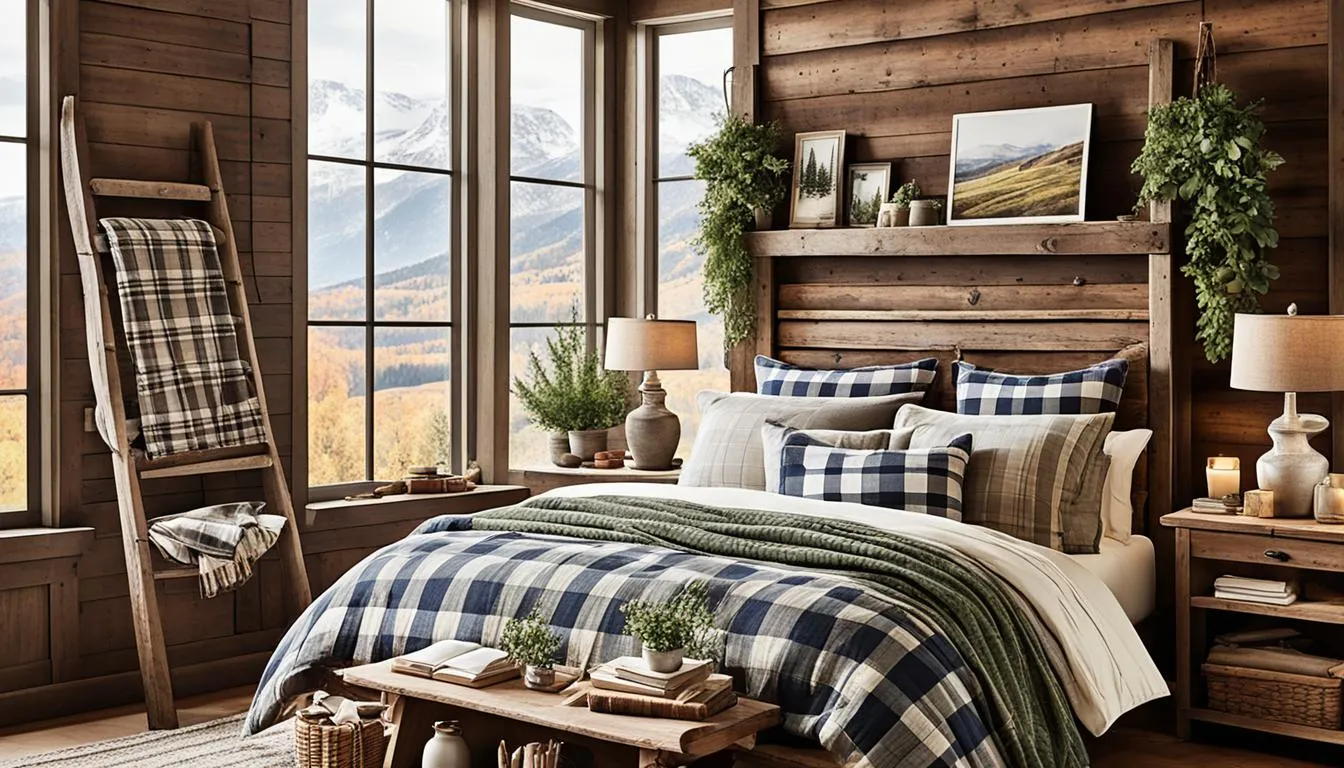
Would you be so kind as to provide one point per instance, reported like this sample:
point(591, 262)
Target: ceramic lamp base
point(651, 430)
point(1292, 468)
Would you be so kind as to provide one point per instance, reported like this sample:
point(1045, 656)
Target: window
point(690, 61)
point(382, 238)
point(18, 390)
point(552, 250)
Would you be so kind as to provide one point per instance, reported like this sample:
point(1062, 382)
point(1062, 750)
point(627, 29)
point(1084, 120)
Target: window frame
point(457, 50)
point(594, 320)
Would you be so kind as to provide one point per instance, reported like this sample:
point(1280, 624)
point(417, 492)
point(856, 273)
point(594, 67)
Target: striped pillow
point(1092, 390)
point(927, 481)
point(1038, 478)
point(775, 377)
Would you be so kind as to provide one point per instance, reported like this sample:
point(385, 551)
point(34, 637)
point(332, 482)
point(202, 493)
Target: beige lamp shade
point(1288, 353)
point(651, 345)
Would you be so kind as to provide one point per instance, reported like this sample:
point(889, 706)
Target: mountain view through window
point(13, 259)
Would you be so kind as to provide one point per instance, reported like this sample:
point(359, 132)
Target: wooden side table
point(1204, 545)
point(544, 478)
point(512, 713)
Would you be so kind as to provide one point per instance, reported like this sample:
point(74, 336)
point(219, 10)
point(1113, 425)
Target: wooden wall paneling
point(653, 11)
point(1335, 157)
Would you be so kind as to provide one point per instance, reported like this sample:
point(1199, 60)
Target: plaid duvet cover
point(192, 384)
point(853, 665)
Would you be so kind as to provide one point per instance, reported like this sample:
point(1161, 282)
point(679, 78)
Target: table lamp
point(651, 345)
point(1290, 353)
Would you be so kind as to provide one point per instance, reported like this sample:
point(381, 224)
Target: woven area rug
point(216, 744)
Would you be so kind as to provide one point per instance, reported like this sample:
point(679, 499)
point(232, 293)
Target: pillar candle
point(1224, 476)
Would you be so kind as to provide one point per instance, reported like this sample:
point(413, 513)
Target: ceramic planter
point(764, 219)
point(586, 442)
point(559, 446)
point(663, 661)
point(541, 678)
point(923, 213)
point(446, 748)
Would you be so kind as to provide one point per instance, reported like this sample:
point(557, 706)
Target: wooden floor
point(1121, 748)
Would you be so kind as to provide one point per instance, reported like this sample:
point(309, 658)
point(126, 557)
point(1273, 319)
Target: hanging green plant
point(741, 176)
point(1205, 151)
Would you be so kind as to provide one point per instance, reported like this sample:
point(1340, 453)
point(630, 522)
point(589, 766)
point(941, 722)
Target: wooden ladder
point(129, 472)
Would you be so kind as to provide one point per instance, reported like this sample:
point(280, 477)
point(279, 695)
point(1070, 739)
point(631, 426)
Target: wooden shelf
point(1268, 726)
point(1079, 239)
point(1305, 610)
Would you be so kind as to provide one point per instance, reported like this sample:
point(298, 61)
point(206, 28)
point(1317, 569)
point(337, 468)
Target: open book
point(458, 661)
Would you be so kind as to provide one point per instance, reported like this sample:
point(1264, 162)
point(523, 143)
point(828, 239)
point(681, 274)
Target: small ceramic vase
point(538, 677)
point(559, 445)
point(446, 748)
point(663, 661)
point(586, 442)
point(886, 215)
point(923, 213)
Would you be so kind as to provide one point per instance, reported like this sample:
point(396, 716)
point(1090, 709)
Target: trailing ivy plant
point(1205, 151)
point(741, 175)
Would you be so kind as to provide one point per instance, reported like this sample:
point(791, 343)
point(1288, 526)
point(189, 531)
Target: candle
point(1224, 476)
point(1330, 499)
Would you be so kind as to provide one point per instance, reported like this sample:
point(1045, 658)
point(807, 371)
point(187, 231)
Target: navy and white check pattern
point(193, 387)
point(775, 377)
point(851, 666)
point(1091, 390)
point(928, 481)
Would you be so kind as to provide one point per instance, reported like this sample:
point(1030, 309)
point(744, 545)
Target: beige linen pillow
point(727, 451)
point(1038, 478)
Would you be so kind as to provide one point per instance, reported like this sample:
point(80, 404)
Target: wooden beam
point(1335, 162)
point(746, 64)
point(1109, 238)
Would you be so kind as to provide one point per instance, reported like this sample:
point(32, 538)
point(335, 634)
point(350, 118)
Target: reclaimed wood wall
point(893, 74)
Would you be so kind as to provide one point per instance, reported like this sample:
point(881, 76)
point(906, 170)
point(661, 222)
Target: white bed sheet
point(1129, 571)
point(1105, 670)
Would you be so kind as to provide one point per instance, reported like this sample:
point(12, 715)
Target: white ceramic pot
point(446, 748)
point(586, 442)
point(538, 677)
point(663, 661)
point(923, 213)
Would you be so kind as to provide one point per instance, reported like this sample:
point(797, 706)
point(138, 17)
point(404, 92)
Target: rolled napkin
point(1277, 660)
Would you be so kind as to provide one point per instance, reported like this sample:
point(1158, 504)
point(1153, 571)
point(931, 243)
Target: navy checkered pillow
point(774, 377)
point(1091, 390)
point(928, 481)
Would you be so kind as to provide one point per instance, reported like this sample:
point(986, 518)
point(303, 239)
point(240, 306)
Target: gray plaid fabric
point(193, 387)
point(776, 377)
point(223, 541)
point(927, 481)
point(1037, 478)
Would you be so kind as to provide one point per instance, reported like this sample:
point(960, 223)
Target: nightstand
point(1208, 546)
point(544, 478)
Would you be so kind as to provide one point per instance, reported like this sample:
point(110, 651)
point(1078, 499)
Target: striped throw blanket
point(193, 387)
point(223, 541)
point(890, 651)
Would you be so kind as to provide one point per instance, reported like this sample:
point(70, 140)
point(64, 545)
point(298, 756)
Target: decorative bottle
point(446, 748)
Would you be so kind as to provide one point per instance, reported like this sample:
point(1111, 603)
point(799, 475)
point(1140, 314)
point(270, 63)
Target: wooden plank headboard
point(889, 296)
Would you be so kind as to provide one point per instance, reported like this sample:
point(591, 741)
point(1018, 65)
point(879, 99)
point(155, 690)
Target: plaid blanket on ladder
point(192, 384)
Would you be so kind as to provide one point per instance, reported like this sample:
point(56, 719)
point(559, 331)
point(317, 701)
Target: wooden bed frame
point(1017, 298)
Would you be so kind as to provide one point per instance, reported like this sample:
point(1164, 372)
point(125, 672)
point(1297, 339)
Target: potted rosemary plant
point(666, 631)
point(531, 642)
point(569, 395)
point(743, 184)
point(901, 199)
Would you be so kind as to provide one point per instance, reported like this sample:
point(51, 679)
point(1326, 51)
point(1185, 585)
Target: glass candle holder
point(1223, 474)
point(1329, 499)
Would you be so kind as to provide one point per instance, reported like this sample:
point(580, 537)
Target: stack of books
point(1228, 505)
point(458, 661)
point(627, 687)
point(1248, 590)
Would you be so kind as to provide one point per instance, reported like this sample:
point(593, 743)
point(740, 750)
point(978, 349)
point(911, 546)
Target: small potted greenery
point(901, 199)
point(531, 642)
point(744, 182)
point(667, 631)
point(570, 395)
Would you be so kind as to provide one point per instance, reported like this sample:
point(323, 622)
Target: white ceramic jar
point(446, 748)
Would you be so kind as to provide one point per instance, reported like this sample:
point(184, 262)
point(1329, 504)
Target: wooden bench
point(512, 713)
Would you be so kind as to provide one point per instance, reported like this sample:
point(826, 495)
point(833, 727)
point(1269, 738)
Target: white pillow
point(1117, 507)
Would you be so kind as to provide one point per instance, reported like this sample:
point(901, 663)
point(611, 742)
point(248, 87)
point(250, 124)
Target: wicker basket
point(318, 745)
point(1281, 696)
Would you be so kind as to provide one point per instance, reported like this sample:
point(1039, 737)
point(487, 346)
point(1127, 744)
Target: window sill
point(19, 545)
point(326, 515)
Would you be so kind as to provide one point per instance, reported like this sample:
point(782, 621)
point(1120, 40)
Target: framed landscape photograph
point(1019, 166)
point(869, 185)
point(817, 158)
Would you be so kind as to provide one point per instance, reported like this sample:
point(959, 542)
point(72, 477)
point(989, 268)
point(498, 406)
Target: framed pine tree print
point(817, 169)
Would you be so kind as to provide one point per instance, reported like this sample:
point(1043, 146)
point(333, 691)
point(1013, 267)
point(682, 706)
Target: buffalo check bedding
point(889, 648)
